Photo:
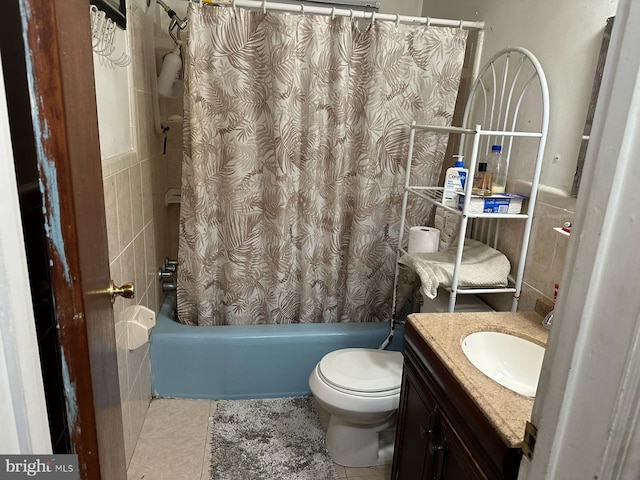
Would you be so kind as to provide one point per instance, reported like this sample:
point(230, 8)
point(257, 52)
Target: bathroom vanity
point(453, 421)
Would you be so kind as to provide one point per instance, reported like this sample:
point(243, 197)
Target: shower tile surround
point(546, 252)
point(139, 231)
point(547, 248)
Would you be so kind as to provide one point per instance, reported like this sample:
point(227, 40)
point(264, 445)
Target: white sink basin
point(511, 361)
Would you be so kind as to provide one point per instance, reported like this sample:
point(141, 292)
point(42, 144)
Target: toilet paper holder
point(139, 320)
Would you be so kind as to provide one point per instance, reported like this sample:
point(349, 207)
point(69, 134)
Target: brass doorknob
point(127, 290)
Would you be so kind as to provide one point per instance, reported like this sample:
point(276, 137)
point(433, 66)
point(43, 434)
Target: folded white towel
point(481, 266)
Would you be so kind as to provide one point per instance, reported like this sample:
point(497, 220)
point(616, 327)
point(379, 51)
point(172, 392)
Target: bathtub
point(248, 361)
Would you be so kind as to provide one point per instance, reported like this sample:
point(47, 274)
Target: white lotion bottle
point(454, 182)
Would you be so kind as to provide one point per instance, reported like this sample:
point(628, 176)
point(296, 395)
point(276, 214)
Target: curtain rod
point(343, 12)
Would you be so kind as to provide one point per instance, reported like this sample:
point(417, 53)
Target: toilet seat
point(362, 371)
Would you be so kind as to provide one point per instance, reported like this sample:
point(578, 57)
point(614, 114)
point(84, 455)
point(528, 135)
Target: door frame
point(23, 413)
point(54, 39)
point(587, 408)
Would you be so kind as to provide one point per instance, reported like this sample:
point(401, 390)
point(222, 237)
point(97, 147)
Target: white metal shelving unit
point(497, 97)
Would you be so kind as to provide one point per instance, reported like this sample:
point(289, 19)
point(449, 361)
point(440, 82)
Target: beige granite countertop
point(444, 332)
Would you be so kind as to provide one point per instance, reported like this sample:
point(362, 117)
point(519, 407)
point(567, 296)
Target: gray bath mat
point(270, 439)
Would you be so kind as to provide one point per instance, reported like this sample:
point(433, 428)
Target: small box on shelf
point(496, 203)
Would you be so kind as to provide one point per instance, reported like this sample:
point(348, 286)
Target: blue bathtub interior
point(248, 361)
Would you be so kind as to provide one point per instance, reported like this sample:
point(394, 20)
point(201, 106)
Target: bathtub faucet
point(169, 265)
point(166, 274)
point(546, 323)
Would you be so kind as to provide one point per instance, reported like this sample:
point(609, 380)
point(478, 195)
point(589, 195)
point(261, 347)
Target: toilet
point(360, 389)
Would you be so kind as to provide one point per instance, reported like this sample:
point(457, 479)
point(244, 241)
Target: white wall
point(112, 98)
point(566, 37)
point(403, 7)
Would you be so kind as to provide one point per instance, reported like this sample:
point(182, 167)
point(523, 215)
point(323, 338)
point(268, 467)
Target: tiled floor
point(173, 444)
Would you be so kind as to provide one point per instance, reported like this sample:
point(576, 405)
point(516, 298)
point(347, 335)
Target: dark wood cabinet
point(419, 421)
point(441, 433)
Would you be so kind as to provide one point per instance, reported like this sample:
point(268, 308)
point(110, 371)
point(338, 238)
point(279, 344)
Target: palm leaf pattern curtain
point(295, 134)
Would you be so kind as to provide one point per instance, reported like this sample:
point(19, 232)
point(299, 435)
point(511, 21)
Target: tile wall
point(546, 253)
point(172, 160)
point(138, 229)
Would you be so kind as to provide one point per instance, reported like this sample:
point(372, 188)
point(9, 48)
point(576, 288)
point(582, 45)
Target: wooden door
point(51, 84)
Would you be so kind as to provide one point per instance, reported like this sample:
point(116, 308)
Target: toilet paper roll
point(423, 240)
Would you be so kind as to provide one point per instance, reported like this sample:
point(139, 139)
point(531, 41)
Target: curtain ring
point(333, 13)
point(351, 14)
point(397, 19)
point(302, 9)
point(428, 21)
point(461, 22)
point(373, 18)
point(264, 7)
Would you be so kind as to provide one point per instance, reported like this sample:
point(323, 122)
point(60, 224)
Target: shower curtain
point(295, 134)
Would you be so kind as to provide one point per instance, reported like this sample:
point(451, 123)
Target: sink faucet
point(546, 323)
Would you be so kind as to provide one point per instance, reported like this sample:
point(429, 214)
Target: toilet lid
point(362, 370)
